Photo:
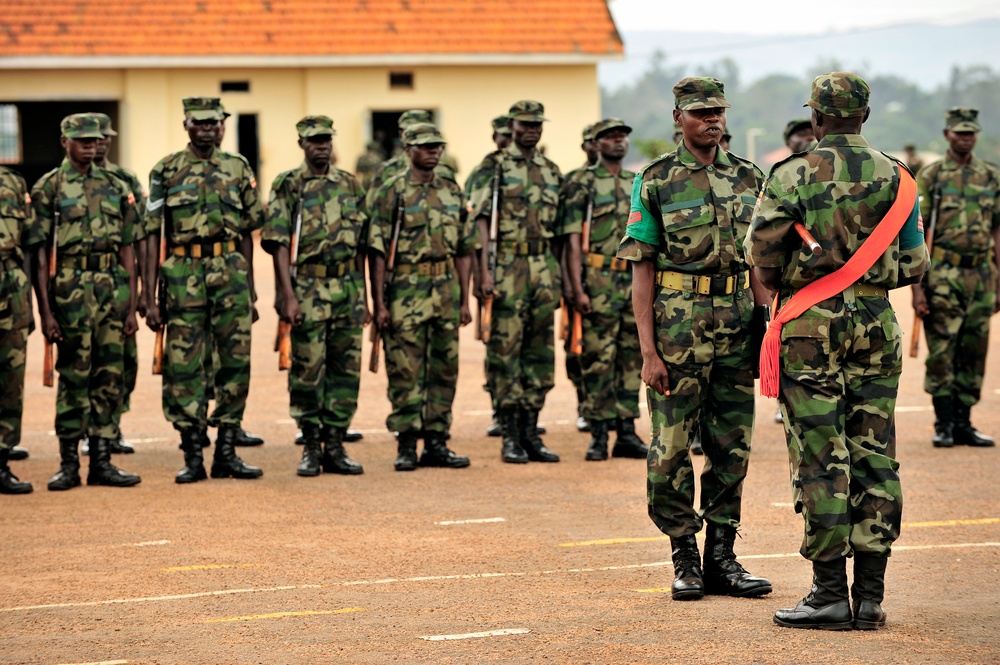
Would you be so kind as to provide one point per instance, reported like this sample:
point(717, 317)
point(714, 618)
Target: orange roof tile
point(305, 27)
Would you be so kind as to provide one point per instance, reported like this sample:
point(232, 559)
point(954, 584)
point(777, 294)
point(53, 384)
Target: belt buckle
point(730, 284)
point(196, 251)
point(703, 285)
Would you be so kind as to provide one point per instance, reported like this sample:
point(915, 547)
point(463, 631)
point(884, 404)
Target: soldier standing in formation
point(87, 219)
point(16, 222)
point(693, 302)
point(799, 135)
point(959, 293)
point(206, 203)
point(841, 359)
point(520, 354)
point(321, 293)
point(598, 198)
point(422, 219)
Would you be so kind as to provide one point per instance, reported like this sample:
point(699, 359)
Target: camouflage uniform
point(960, 284)
point(840, 360)
point(368, 163)
point(423, 296)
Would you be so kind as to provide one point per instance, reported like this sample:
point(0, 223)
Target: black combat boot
point(598, 450)
point(194, 460)
point(226, 464)
point(102, 471)
point(68, 475)
point(353, 436)
point(17, 454)
point(335, 459)
point(246, 439)
point(826, 607)
point(628, 444)
point(120, 447)
point(511, 451)
point(531, 442)
point(495, 429)
point(944, 423)
point(406, 451)
point(965, 433)
point(724, 576)
point(312, 454)
point(688, 583)
point(868, 591)
point(436, 453)
point(696, 448)
point(9, 483)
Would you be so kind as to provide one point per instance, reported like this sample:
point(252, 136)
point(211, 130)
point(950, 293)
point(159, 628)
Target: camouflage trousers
point(208, 311)
point(90, 308)
point(574, 366)
point(840, 367)
point(15, 312)
point(611, 360)
point(520, 356)
point(421, 353)
point(704, 342)
point(958, 329)
point(131, 373)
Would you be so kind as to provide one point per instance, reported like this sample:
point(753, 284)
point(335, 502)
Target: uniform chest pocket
point(688, 230)
point(111, 207)
point(231, 197)
point(548, 207)
point(11, 209)
point(604, 222)
point(743, 208)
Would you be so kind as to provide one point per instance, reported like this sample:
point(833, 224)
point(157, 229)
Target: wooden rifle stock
point(160, 288)
point(918, 321)
point(48, 359)
point(576, 334)
point(390, 267)
point(486, 320)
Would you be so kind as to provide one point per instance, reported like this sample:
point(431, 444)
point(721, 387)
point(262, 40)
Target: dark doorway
point(39, 133)
point(385, 130)
point(247, 142)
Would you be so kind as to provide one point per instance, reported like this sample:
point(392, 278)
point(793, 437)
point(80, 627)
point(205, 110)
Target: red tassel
point(770, 361)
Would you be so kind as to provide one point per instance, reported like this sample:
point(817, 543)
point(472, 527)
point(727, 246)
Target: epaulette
point(899, 162)
point(654, 162)
point(280, 180)
point(780, 162)
point(236, 155)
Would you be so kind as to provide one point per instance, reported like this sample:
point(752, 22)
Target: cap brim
point(710, 103)
point(311, 134)
point(109, 132)
point(530, 118)
point(624, 128)
point(965, 127)
point(204, 115)
point(84, 135)
point(427, 142)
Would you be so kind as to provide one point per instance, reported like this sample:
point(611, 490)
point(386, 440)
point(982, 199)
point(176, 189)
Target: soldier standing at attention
point(89, 308)
point(520, 354)
point(599, 198)
point(691, 292)
point(426, 298)
point(322, 294)
point(959, 292)
point(16, 222)
point(207, 204)
point(799, 135)
point(369, 162)
point(840, 358)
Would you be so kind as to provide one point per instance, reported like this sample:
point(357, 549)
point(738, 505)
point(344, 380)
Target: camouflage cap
point(959, 119)
point(839, 94)
point(422, 133)
point(203, 108)
point(700, 92)
point(528, 111)
point(315, 125)
point(408, 118)
point(796, 125)
point(588, 132)
point(81, 126)
point(104, 120)
point(606, 125)
point(500, 125)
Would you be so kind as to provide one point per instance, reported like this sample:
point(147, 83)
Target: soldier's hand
point(920, 306)
point(382, 318)
point(582, 304)
point(654, 375)
point(465, 315)
point(367, 317)
point(141, 308)
point(291, 312)
point(153, 321)
point(488, 285)
point(131, 324)
point(51, 329)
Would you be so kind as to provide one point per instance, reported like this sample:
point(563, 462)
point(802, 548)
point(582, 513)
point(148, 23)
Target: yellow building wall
point(465, 99)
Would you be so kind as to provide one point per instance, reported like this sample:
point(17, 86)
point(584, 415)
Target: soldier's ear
point(64, 142)
point(868, 112)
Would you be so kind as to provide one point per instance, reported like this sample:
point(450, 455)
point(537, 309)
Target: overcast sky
point(793, 16)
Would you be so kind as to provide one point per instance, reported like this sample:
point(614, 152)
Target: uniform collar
point(687, 158)
point(214, 158)
point(843, 140)
point(516, 153)
point(949, 163)
point(331, 173)
point(437, 182)
point(601, 171)
point(70, 174)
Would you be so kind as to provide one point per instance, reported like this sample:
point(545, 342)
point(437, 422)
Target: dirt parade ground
point(500, 563)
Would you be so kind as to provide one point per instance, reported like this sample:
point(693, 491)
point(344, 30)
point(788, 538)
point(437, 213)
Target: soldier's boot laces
point(226, 463)
point(335, 459)
point(194, 458)
point(826, 607)
point(628, 444)
point(868, 590)
point(17, 454)
point(68, 475)
point(723, 574)
point(598, 450)
point(246, 439)
point(9, 483)
point(406, 451)
point(436, 453)
point(688, 581)
point(511, 451)
point(312, 453)
point(944, 423)
point(102, 471)
point(531, 442)
point(965, 433)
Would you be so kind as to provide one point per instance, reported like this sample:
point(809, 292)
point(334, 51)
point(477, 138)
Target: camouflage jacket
point(692, 217)
point(202, 199)
point(611, 198)
point(333, 226)
point(390, 169)
point(436, 224)
point(839, 191)
point(16, 214)
point(132, 182)
point(970, 203)
point(97, 212)
point(481, 176)
point(529, 195)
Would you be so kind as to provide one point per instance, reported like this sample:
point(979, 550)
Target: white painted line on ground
point(152, 439)
point(207, 566)
point(440, 578)
point(488, 520)
point(148, 543)
point(781, 504)
point(282, 615)
point(469, 636)
point(477, 413)
point(913, 409)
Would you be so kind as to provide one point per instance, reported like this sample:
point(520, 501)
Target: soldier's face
point(202, 132)
point(590, 149)
point(80, 151)
point(799, 141)
point(613, 144)
point(526, 134)
point(220, 133)
point(702, 128)
point(961, 143)
point(501, 140)
point(102, 146)
point(426, 156)
point(317, 149)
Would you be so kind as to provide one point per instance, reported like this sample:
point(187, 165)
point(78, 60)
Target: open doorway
point(247, 139)
point(385, 130)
